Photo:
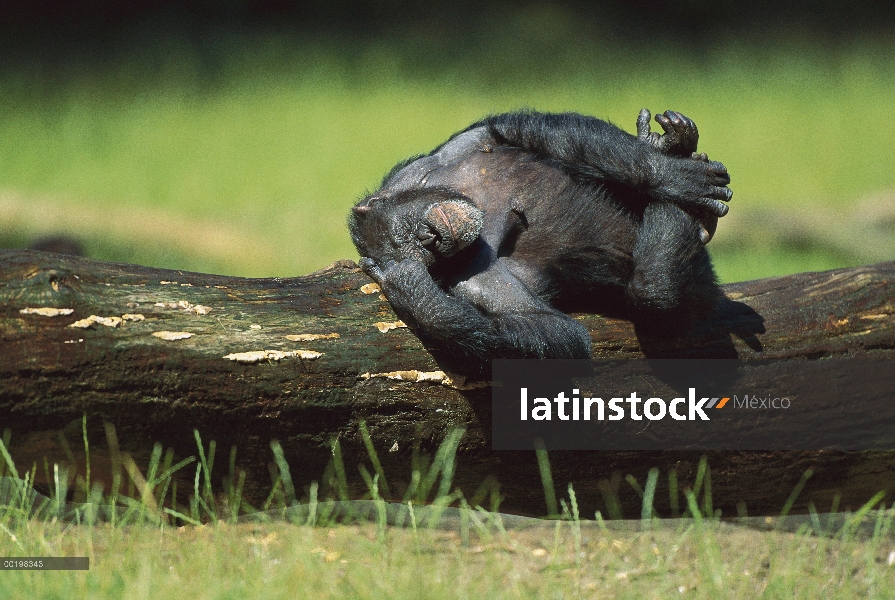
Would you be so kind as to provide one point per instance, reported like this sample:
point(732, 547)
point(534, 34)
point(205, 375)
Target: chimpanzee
point(479, 244)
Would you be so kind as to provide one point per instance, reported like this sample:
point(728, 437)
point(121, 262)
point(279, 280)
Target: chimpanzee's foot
point(681, 135)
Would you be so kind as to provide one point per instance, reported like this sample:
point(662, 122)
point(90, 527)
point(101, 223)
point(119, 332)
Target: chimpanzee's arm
point(603, 151)
point(525, 328)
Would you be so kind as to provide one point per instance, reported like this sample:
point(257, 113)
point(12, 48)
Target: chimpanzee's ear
point(455, 223)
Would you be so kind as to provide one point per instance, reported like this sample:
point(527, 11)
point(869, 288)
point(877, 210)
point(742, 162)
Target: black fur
point(479, 244)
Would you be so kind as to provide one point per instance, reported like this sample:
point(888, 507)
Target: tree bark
point(159, 389)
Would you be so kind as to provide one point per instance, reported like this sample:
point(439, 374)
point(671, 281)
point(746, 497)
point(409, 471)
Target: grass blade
point(646, 510)
point(787, 506)
point(374, 458)
point(546, 479)
point(285, 475)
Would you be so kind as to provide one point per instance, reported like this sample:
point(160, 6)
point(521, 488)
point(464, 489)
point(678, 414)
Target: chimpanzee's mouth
point(429, 236)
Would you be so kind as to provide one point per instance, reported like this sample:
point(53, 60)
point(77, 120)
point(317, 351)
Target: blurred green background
point(233, 137)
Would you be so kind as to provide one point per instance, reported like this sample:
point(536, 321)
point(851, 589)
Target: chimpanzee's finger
point(720, 193)
point(690, 127)
point(715, 207)
point(369, 266)
point(718, 172)
point(643, 123)
point(708, 224)
point(666, 123)
point(675, 119)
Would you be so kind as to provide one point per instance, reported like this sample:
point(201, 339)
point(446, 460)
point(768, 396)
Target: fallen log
point(158, 353)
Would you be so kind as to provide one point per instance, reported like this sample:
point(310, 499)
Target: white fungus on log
point(185, 306)
point(412, 376)
point(95, 320)
point(457, 382)
point(386, 326)
point(172, 336)
point(182, 304)
point(46, 311)
point(310, 337)
point(260, 355)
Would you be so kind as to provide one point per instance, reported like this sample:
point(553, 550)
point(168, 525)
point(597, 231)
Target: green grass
point(281, 136)
point(287, 561)
point(140, 554)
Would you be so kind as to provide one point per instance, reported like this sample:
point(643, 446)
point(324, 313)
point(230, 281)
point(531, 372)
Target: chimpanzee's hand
point(399, 281)
point(369, 266)
point(681, 135)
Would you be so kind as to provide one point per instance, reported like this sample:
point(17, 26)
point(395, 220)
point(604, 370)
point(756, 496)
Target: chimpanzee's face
point(423, 224)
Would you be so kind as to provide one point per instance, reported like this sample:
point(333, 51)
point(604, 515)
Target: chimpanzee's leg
point(603, 151)
point(673, 283)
